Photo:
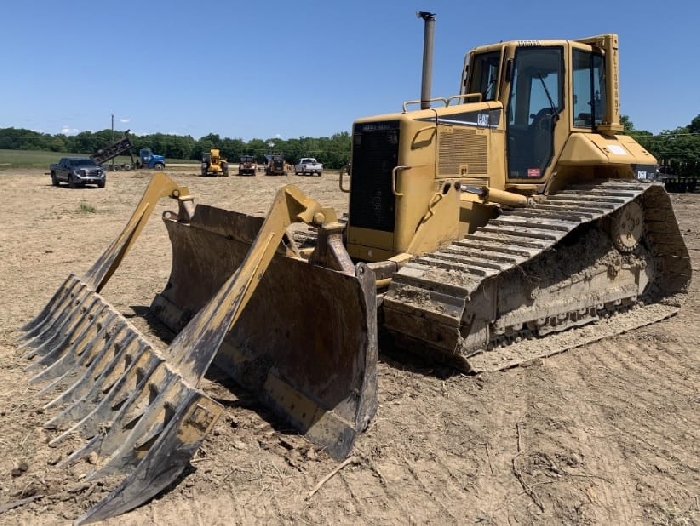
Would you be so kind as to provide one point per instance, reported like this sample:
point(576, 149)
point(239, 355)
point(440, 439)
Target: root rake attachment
point(136, 408)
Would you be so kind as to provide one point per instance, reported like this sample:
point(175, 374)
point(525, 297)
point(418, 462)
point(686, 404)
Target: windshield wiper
point(488, 87)
point(546, 91)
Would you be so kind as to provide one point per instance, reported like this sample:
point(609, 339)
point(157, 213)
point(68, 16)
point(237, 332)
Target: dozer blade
point(306, 343)
point(137, 408)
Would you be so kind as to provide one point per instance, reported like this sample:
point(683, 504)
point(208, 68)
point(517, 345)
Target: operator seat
point(542, 133)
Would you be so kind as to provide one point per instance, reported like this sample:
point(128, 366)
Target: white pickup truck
point(308, 165)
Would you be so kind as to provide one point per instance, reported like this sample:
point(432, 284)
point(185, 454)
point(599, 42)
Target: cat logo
point(482, 119)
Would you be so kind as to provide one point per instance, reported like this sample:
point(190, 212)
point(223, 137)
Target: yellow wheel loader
point(507, 222)
point(213, 164)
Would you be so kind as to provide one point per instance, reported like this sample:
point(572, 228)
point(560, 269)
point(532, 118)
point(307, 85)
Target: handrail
point(393, 178)
point(405, 104)
point(340, 181)
point(464, 96)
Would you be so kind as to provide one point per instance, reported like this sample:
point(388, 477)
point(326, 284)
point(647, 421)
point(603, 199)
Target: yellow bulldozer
point(213, 164)
point(509, 221)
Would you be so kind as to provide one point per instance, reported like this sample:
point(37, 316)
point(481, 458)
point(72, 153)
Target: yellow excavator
point(509, 221)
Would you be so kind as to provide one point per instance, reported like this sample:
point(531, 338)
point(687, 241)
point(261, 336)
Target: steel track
point(434, 301)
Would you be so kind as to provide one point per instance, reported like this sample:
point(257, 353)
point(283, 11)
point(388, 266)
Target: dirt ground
point(608, 433)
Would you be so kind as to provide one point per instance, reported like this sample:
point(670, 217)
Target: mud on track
point(608, 433)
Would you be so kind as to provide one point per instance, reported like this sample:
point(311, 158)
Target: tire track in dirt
point(432, 482)
point(666, 344)
point(476, 450)
point(648, 436)
point(662, 403)
point(201, 510)
point(626, 362)
point(660, 365)
point(654, 419)
point(367, 491)
point(594, 477)
point(425, 460)
point(355, 501)
point(370, 495)
point(403, 460)
point(498, 493)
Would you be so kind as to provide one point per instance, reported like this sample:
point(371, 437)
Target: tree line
point(676, 150)
point(333, 152)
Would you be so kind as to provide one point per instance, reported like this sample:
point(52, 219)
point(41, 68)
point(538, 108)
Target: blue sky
point(306, 68)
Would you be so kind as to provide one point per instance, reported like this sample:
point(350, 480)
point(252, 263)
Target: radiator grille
point(375, 154)
point(462, 152)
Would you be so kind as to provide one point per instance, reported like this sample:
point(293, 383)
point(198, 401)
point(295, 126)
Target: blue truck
point(146, 159)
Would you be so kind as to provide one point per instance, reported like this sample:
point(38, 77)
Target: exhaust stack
point(428, 38)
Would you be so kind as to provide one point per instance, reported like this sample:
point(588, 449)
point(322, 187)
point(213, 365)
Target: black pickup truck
point(77, 171)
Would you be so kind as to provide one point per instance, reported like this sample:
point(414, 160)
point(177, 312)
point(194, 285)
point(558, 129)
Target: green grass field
point(28, 159)
point(12, 159)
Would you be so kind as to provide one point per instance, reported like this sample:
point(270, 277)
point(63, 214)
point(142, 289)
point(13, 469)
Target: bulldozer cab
point(550, 91)
point(533, 108)
point(530, 116)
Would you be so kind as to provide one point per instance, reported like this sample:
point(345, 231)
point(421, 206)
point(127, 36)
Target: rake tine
point(92, 366)
point(90, 446)
point(91, 418)
point(96, 383)
point(133, 410)
point(121, 446)
point(56, 312)
point(123, 417)
point(164, 461)
point(89, 323)
point(75, 329)
point(52, 306)
point(124, 358)
point(73, 364)
point(52, 328)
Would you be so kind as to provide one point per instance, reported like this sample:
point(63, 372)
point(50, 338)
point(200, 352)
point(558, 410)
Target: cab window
point(534, 105)
point(589, 89)
point(484, 77)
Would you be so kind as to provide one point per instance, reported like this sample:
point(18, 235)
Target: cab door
point(534, 107)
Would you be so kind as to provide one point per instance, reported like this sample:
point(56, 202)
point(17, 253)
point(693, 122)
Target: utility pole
point(112, 139)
